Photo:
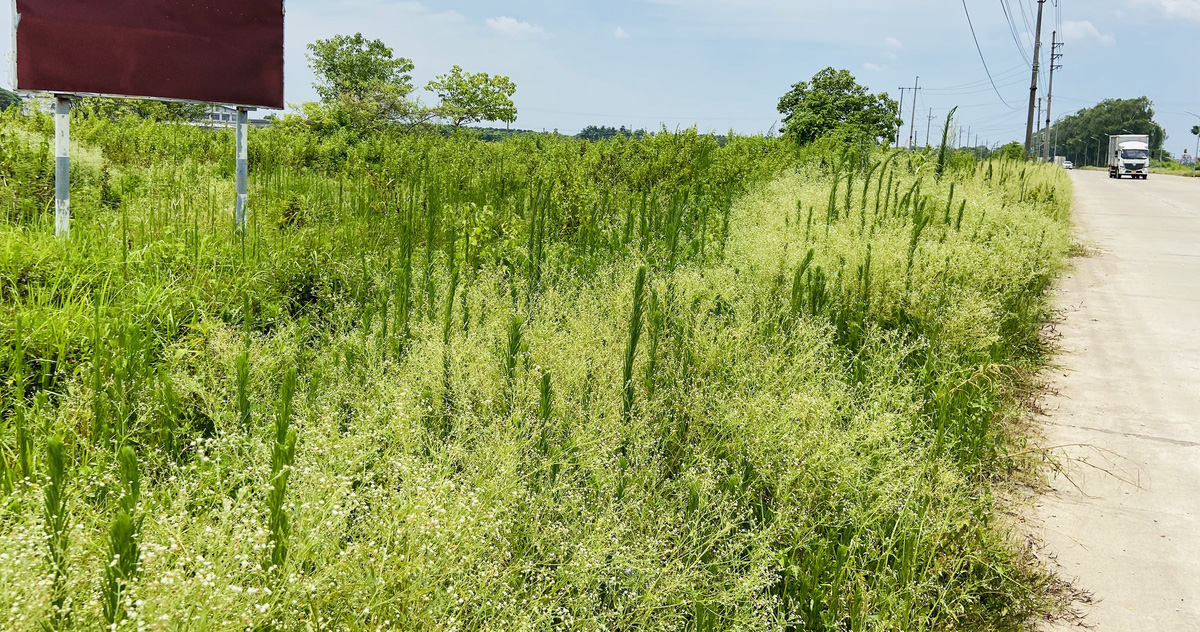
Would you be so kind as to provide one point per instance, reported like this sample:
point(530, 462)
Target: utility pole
point(1038, 136)
point(1054, 57)
point(928, 126)
point(1037, 51)
point(900, 115)
point(912, 130)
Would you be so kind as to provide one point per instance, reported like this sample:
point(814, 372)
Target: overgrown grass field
point(539, 384)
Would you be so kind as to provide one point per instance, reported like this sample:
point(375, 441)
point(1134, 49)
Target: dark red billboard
point(220, 51)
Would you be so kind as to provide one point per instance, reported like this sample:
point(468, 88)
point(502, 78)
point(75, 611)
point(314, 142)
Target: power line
point(983, 89)
point(985, 66)
point(1009, 17)
point(980, 83)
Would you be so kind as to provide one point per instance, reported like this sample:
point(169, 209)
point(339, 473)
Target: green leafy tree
point(362, 85)
point(603, 132)
point(471, 98)
point(1078, 135)
point(352, 66)
point(7, 99)
point(1012, 151)
point(833, 100)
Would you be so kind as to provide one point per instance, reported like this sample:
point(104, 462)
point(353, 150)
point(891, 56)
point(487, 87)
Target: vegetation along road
point(1125, 523)
point(658, 383)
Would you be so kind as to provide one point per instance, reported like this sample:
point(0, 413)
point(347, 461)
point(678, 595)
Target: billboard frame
point(62, 126)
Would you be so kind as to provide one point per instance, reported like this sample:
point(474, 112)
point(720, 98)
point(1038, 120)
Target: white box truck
point(1128, 155)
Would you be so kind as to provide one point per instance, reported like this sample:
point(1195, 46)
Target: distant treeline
point(8, 98)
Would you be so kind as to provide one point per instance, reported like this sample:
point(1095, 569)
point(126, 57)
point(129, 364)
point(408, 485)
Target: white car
point(1068, 165)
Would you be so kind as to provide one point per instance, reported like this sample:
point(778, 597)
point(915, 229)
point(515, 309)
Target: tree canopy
point(471, 98)
point(8, 98)
point(1077, 135)
point(363, 86)
point(352, 66)
point(833, 100)
point(604, 132)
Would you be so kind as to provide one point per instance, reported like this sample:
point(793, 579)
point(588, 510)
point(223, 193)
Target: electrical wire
point(1015, 71)
point(1014, 31)
point(985, 66)
point(983, 88)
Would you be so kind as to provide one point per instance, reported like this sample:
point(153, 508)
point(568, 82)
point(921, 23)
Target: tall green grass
point(548, 384)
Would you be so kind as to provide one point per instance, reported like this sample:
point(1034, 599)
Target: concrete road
point(1124, 518)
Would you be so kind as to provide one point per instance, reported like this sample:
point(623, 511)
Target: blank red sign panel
point(220, 51)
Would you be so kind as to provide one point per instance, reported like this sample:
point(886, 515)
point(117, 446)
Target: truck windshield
point(1135, 154)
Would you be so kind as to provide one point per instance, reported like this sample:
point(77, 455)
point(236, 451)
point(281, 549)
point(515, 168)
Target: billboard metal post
point(243, 137)
point(62, 166)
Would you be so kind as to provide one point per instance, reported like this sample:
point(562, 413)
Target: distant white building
point(1186, 158)
point(226, 116)
point(219, 116)
point(36, 102)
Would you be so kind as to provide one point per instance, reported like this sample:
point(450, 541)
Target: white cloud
point(621, 33)
point(893, 43)
point(872, 67)
point(1085, 32)
point(1182, 8)
point(513, 27)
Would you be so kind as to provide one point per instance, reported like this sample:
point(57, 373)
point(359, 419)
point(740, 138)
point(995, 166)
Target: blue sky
point(721, 65)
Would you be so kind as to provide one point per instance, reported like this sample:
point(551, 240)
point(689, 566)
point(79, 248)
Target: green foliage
point(1011, 151)
point(635, 333)
point(834, 101)
point(472, 98)
point(123, 551)
point(283, 454)
point(603, 132)
point(242, 369)
point(352, 67)
point(793, 420)
point(8, 99)
point(941, 163)
point(26, 173)
point(148, 109)
point(511, 355)
point(363, 88)
point(56, 520)
point(1076, 134)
